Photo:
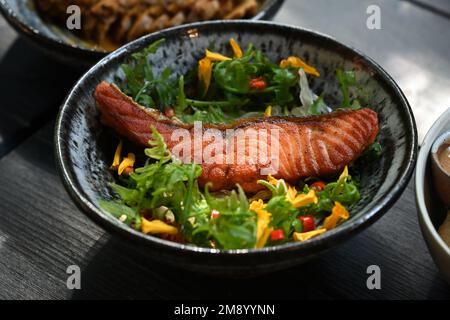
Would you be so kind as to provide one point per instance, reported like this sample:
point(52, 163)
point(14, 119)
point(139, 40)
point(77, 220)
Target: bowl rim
point(268, 9)
point(333, 236)
point(422, 161)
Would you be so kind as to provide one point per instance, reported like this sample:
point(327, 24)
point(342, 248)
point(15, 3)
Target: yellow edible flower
point(301, 199)
point(116, 160)
point(157, 226)
point(262, 222)
point(343, 176)
point(204, 73)
point(296, 62)
point(214, 56)
point(272, 180)
point(268, 111)
point(303, 236)
point(126, 162)
point(236, 49)
point(337, 213)
point(262, 241)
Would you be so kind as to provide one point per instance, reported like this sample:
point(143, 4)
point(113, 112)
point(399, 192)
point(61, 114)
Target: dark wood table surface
point(42, 232)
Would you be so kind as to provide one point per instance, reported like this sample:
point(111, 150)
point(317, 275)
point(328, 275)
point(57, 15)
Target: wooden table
point(42, 232)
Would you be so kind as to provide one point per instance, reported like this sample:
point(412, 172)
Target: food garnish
point(235, 206)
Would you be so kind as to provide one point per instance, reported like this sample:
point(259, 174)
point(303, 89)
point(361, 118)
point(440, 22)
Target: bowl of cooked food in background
point(432, 203)
point(109, 24)
point(337, 136)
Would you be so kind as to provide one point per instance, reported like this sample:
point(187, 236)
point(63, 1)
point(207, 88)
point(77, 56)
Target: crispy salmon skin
point(292, 147)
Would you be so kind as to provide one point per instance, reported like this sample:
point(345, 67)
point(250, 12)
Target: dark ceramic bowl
point(84, 148)
point(64, 45)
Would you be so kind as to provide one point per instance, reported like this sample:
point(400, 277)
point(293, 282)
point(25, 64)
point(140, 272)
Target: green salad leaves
point(166, 189)
point(146, 88)
point(239, 87)
point(165, 182)
point(162, 197)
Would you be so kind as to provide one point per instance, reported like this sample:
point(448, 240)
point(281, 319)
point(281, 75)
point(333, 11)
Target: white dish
point(430, 209)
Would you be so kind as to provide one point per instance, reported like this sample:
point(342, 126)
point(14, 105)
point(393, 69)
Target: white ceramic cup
point(438, 248)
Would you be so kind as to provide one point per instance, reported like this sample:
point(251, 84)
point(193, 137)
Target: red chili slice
point(257, 84)
point(308, 223)
point(276, 235)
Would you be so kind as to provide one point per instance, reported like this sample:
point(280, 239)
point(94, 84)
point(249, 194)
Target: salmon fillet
point(292, 147)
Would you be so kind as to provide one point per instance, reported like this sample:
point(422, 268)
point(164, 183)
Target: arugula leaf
point(318, 107)
point(158, 150)
point(118, 210)
point(141, 83)
point(279, 189)
point(372, 152)
point(233, 75)
point(281, 211)
point(347, 80)
point(181, 99)
point(346, 191)
point(235, 227)
point(188, 200)
point(213, 114)
point(283, 77)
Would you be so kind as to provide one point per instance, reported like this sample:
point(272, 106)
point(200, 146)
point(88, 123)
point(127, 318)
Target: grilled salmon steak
point(247, 149)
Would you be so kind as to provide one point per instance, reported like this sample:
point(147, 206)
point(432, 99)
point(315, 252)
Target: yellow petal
point(303, 236)
point(337, 213)
point(272, 180)
point(126, 162)
point(257, 205)
point(157, 226)
point(343, 176)
point(236, 49)
point(263, 239)
point(116, 160)
point(291, 194)
point(214, 56)
point(296, 62)
point(302, 199)
point(204, 73)
point(268, 111)
point(262, 221)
